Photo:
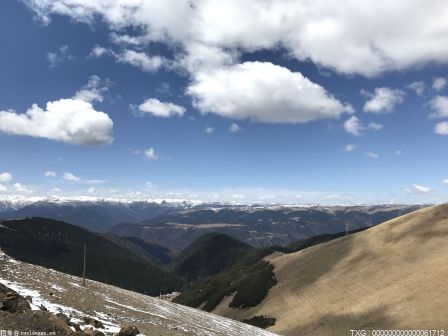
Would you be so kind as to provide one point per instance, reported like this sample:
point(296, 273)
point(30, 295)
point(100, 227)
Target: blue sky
point(274, 101)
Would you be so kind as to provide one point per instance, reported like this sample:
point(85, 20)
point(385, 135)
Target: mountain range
point(389, 276)
point(169, 227)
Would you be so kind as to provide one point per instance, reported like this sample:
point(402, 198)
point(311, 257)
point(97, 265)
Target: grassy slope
point(392, 276)
point(250, 277)
point(59, 245)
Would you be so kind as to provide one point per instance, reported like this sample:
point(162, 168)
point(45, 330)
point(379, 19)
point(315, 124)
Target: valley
point(323, 283)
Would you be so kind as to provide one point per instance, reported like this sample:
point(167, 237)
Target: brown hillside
point(392, 276)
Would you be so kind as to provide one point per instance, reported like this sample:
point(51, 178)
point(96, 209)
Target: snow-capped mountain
point(92, 213)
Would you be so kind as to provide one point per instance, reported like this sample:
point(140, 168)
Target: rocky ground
point(98, 307)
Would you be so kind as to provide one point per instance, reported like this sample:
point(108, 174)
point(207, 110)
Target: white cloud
point(21, 188)
point(5, 177)
point(138, 59)
point(91, 190)
point(349, 148)
point(67, 120)
point(360, 37)
point(418, 87)
point(445, 181)
point(3, 188)
point(439, 83)
point(71, 177)
point(420, 189)
point(209, 130)
point(150, 154)
point(141, 60)
point(234, 128)
point(93, 90)
point(383, 100)
point(372, 155)
point(98, 51)
point(50, 173)
point(157, 108)
point(94, 181)
point(375, 126)
point(62, 54)
point(263, 92)
point(398, 152)
point(441, 128)
point(128, 40)
point(440, 106)
point(353, 126)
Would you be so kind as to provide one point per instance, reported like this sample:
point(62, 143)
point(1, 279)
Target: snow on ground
point(114, 306)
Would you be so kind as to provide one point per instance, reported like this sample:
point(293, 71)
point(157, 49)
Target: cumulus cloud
point(150, 154)
point(439, 105)
point(3, 188)
point(418, 87)
point(50, 173)
point(234, 128)
point(372, 155)
point(264, 92)
point(67, 120)
point(71, 177)
point(441, 128)
point(157, 108)
point(98, 51)
point(74, 178)
point(357, 38)
point(375, 126)
point(209, 130)
point(57, 57)
point(349, 148)
point(21, 188)
point(140, 60)
point(5, 177)
point(383, 100)
point(353, 126)
point(439, 83)
point(93, 91)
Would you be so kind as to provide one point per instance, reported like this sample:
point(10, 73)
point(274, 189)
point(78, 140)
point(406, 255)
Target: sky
point(268, 101)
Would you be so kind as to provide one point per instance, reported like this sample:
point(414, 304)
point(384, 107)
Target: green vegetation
point(250, 283)
point(58, 245)
point(260, 321)
point(209, 255)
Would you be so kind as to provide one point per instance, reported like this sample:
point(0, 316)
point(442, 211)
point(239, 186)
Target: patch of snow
point(135, 309)
point(38, 301)
point(57, 288)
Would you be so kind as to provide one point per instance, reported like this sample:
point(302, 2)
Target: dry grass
point(392, 276)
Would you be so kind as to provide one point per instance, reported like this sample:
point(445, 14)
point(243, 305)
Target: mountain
point(155, 253)
point(95, 216)
point(391, 276)
point(111, 307)
point(257, 226)
point(210, 254)
point(58, 245)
